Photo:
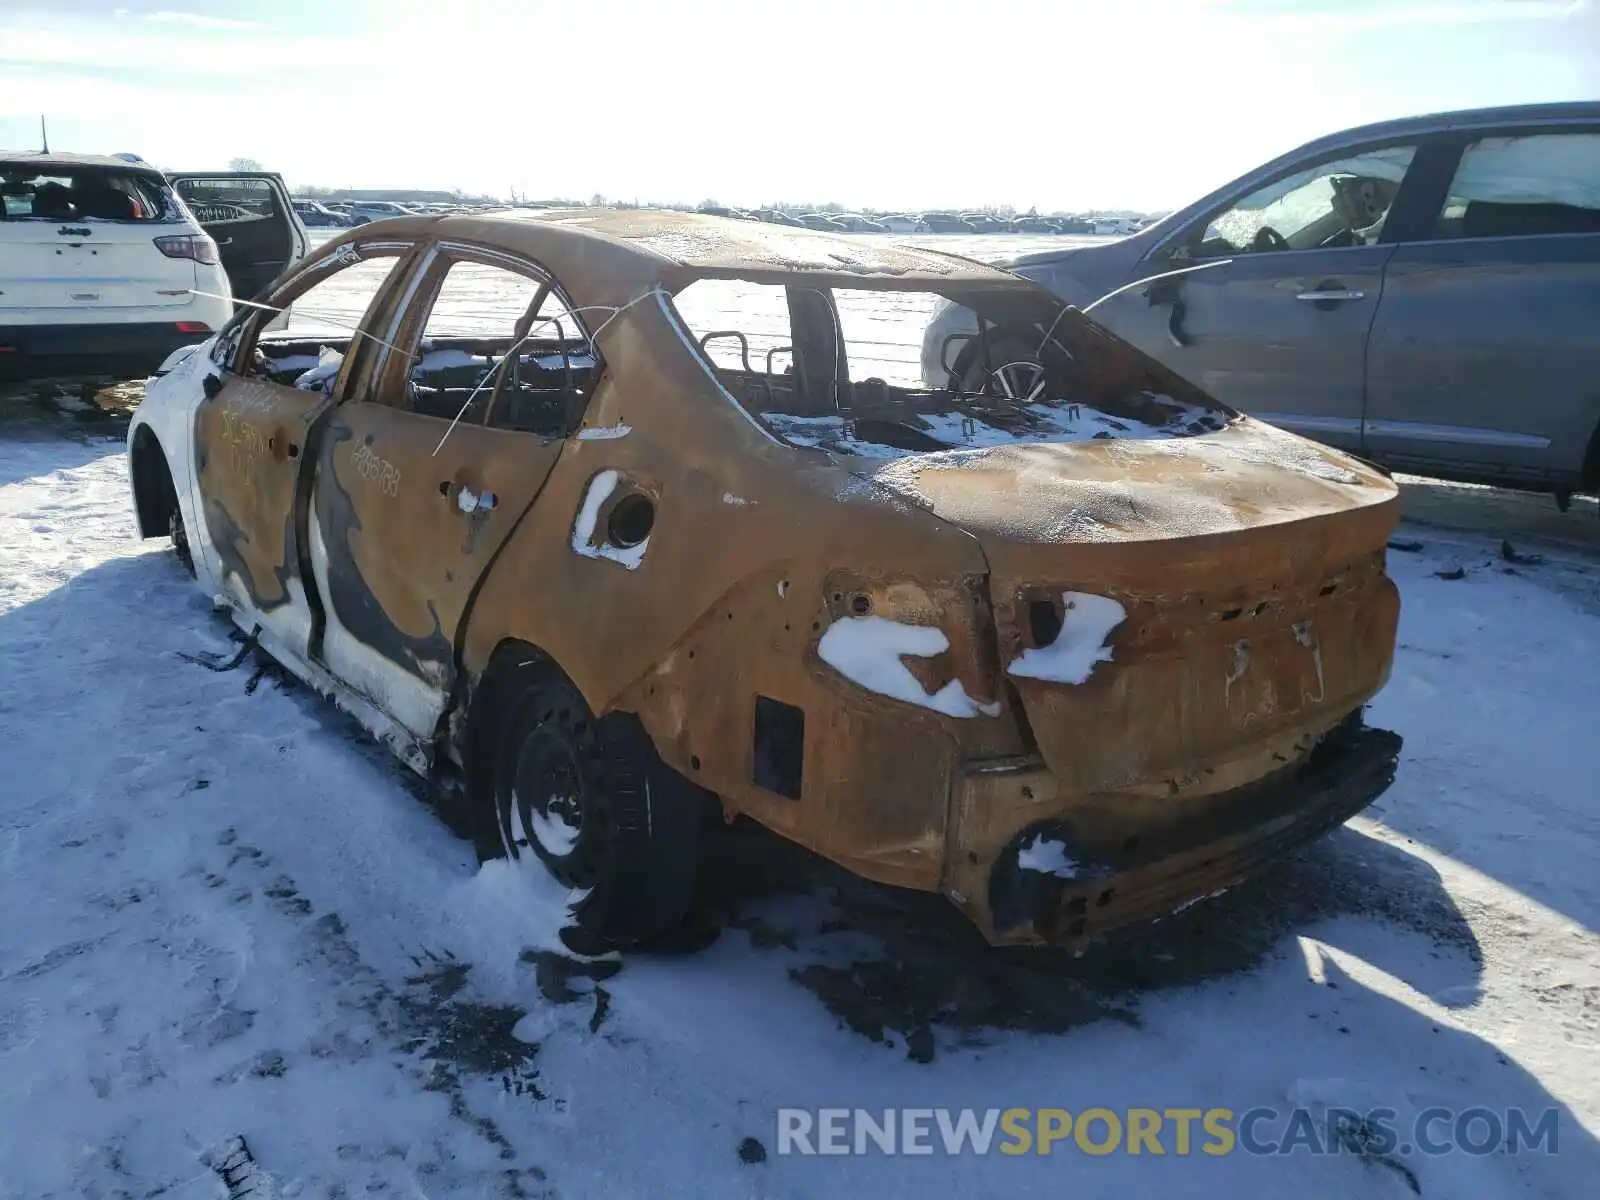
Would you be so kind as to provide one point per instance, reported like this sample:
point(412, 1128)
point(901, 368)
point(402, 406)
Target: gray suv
point(1424, 293)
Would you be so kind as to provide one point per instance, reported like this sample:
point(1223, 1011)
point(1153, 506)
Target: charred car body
point(1074, 647)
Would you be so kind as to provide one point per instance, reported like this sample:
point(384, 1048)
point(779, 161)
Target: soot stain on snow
point(930, 979)
point(445, 1036)
point(454, 1033)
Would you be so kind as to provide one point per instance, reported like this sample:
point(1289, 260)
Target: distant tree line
point(599, 200)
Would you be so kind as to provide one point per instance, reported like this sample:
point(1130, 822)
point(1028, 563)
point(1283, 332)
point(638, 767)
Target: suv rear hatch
point(77, 240)
point(1248, 565)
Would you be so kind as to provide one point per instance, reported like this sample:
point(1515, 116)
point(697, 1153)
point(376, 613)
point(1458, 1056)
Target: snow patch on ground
point(1086, 624)
point(867, 651)
point(228, 915)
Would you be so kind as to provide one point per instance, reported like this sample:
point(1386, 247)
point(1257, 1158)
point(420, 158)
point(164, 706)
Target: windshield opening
point(843, 369)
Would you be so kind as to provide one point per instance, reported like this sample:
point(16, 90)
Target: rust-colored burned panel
point(1136, 855)
point(683, 564)
point(673, 641)
point(757, 549)
point(876, 771)
point(249, 450)
point(1245, 498)
point(731, 504)
point(1194, 679)
point(407, 533)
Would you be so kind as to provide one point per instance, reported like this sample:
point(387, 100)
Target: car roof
point(608, 256)
point(41, 161)
point(1466, 118)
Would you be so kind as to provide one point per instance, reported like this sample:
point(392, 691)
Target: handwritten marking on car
point(245, 441)
point(376, 470)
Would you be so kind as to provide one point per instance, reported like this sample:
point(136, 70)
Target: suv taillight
point(189, 245)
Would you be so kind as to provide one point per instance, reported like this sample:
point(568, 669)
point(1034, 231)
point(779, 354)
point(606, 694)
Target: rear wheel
point(589, 799)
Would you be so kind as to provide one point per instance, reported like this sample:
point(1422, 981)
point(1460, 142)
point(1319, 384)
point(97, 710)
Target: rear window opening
point(841, 369)
point(82, 194)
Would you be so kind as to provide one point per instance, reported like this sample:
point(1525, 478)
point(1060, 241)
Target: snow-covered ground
point(223, 914)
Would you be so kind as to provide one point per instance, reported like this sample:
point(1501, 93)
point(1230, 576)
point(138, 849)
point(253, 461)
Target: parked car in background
point(856, 223)
point(622, 578)
point(1110, 226)
point(941, 222)
point(775, 216)
point(363, 211)
point(1034, 224)
point(1423, 292)
point(107, 265)
point(315, 216)
point(986, 223)
point(1073, 224)
point(822, 221)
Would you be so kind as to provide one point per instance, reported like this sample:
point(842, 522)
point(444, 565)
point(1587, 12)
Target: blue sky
point(1054, 103)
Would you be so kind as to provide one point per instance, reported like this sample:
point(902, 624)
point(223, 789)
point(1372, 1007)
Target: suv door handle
point(1332, 294)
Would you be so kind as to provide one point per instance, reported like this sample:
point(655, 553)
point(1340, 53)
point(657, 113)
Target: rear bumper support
point(1349, 769)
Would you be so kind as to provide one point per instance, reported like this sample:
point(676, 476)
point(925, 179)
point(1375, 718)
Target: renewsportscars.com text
point(1161, 1131)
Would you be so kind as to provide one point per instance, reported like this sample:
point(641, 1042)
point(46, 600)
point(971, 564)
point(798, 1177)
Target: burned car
point(610, 521)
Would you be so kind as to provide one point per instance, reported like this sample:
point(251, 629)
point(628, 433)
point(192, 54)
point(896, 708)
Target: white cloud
point(1356, 18)
point(199, 20)
point(870, 104)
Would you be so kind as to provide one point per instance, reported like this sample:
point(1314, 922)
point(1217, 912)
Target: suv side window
point(1343, 202)
point(1519, 186)
point(229, 201)
point(499, 347)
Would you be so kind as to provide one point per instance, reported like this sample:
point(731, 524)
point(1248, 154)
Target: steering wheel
point(1268, 238)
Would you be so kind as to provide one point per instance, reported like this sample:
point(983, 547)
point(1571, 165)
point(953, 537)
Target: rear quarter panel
point(729, 600)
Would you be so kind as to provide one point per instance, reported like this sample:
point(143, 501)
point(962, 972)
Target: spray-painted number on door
point(378, 471)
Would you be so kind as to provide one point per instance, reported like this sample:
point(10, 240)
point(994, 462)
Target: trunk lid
point(1248, 564)
point(89, 265)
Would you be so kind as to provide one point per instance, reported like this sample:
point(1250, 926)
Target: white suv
point(108, 265)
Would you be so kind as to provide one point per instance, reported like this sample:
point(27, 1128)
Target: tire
point(176, 529)
point(588, 798)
